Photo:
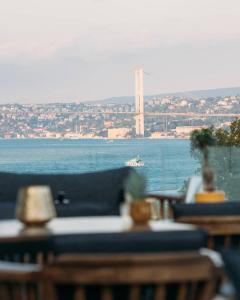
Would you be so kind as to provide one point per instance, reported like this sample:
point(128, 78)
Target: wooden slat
point(26, 258)
point(4, 292)
point(207, 291)
point(32, 292)
point(227, 241)
point(106, 293)
point(17, 292)
point(134, 292)
point(193, 291)
point(182, 291)
point(127, 259)
point(50, 257)
point(48, 291)
point(211, 242)
point(160, 292)
point(79, 293)
point(40, 258)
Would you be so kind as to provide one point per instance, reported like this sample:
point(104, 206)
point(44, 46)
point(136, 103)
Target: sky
point(75, 50)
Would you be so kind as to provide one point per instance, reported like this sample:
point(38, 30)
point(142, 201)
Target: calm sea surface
point(167, 162)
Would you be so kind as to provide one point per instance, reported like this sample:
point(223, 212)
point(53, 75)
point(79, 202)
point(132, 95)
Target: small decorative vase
point(35, 205)
point(140, 212)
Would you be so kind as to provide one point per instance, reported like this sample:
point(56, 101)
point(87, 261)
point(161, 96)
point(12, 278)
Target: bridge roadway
point(168, 114)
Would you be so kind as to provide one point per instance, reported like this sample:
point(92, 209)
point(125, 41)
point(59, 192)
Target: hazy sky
point(70, 50)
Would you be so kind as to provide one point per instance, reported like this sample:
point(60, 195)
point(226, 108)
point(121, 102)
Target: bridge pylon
point(139, 103)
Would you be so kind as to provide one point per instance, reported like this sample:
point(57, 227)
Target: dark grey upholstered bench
point(99, 193)
point(131, 242)
point(206, 209)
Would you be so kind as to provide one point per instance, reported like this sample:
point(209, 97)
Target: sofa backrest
point(96, 193)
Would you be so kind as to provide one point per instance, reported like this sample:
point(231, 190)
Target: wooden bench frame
point(194, 274)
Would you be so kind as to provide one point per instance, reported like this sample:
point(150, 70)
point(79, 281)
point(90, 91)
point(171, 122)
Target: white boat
point(135, 162)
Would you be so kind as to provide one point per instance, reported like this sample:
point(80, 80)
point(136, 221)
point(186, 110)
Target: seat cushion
point(102, 191)
point(206, 209)
point(136, 242)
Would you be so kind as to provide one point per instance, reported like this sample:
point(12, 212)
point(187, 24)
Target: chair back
point(182, 276)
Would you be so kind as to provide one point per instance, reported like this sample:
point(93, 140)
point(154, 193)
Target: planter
point(140, 212)
point(210, 197)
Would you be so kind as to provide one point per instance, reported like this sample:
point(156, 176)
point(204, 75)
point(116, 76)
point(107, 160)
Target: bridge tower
point(139, 104)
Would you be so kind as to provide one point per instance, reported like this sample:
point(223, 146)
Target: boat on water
point(135, 162)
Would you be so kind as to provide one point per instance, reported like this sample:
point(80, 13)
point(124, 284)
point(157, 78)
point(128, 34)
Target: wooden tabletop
point(11, 230)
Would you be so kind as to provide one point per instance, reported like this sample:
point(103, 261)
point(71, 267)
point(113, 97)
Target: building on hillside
point(118, 133)
point(108, 124)
point(185, 131)
point(156, 135)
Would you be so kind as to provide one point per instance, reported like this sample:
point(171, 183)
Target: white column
point(139, 102)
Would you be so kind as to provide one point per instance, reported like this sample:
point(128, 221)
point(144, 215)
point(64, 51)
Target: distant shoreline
point(102, 139)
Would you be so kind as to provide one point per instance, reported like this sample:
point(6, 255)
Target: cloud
point(61, 49)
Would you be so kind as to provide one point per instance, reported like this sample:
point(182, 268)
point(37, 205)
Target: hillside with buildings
point(108, 120)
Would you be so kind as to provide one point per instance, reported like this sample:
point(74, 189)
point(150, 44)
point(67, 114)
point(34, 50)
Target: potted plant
point(139, 209)
point(201, 140)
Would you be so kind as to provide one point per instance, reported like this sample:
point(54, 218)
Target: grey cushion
point(206, 209)
point(96, 193)
point(131, 242)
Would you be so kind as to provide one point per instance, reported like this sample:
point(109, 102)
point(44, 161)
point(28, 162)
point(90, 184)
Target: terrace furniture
point(37, 251)
point(13, 230)
point(172, 276)
point(166, 202)
point(222, 221)
point(96, 236)
point(164, 276)
point(19, 281)
point(99, 193)
point(93, 235)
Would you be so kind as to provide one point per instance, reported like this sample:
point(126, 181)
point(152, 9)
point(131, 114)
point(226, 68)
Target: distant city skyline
point(59, 51)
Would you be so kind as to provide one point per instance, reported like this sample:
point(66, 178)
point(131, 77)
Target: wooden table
point(13, 230)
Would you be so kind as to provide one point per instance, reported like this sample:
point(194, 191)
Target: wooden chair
point(19, 281)
point(223, 231)
point(166, 203)
point(38, 251)
point(186, 275)
point(20, 265)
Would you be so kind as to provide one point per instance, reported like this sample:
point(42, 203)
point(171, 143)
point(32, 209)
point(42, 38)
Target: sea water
point(167, 163)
